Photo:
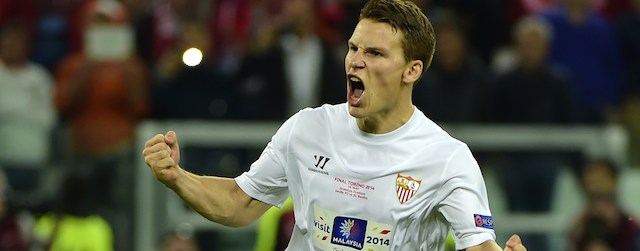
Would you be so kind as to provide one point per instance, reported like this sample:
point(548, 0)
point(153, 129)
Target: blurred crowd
point(77, 76)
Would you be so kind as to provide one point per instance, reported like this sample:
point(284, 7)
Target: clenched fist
point(162, 155)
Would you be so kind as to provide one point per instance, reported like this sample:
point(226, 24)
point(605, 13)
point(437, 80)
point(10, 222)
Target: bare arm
point(218, 199)
point(513, 244)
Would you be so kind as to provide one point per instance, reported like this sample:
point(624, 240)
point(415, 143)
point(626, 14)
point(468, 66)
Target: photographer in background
point(101, 93)
point(603, 225)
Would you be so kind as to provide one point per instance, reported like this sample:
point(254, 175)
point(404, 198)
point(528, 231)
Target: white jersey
point(352, 190)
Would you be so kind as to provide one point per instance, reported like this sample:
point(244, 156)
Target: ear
point(413, 71)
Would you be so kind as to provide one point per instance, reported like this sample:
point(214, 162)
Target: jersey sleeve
point(266, 180)
point(464, 201)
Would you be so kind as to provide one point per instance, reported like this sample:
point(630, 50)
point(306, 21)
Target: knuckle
point(165, 163)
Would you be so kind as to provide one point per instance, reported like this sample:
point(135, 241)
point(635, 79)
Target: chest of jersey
point(357, 196)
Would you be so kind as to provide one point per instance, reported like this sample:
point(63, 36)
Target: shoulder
point(461, 168)
point(323, 113)
point(438, 144)
point(433, 137)
point(315, 119)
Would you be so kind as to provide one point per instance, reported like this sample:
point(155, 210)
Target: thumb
point(172, 140)
point(513, 242)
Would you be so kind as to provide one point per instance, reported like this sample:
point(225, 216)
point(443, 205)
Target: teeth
point(355, 79)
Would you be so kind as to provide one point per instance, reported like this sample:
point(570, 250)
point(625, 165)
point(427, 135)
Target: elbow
point(230, 218)
point(235, 221)
point(238, 224)
point(241, 221)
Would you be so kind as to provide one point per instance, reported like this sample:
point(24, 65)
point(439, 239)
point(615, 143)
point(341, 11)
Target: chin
point(357, 112)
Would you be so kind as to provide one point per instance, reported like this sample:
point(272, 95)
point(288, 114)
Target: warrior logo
point(320, 161)
point(406, 187)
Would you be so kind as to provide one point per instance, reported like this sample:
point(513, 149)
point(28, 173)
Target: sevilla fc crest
point(406, 187)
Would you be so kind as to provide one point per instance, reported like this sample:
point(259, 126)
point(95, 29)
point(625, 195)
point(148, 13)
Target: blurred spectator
point(51, 40)
point(191, 92)
point(534, 92)
point(603, 225)
point(73, 225)
point(453, 88)
point(11, 234)
point(585, 43)
point(101, 93)
point(290, 71)
point(27, 113)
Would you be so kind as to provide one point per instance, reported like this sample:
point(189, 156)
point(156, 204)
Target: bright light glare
point(192, 57)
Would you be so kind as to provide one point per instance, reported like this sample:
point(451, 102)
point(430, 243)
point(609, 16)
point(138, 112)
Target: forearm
point(513, 244)
point(218, 199)
point(486, 246)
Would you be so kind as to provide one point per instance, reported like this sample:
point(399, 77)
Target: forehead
point(369, 33)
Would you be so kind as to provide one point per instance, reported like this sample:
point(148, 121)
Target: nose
point(356, 59)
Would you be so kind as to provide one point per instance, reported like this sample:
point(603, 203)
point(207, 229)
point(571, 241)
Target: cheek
point(385, 84)
point(390, 75)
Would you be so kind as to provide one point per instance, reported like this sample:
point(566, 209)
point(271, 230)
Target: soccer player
point(373, 173)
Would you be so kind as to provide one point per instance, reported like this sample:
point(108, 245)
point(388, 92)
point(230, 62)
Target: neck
point(386, 121)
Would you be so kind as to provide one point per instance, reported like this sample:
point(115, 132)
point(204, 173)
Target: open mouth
point(356, 89)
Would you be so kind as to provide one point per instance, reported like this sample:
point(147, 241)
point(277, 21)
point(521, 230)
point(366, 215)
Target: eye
point(375, 53)
point(353, 48)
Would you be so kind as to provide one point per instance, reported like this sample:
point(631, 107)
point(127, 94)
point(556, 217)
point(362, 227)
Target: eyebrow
point(369, 48)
